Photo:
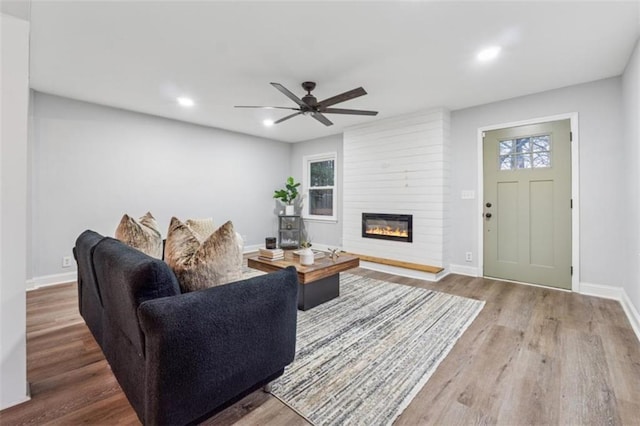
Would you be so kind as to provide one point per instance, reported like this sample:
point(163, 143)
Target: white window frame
point(306, 178)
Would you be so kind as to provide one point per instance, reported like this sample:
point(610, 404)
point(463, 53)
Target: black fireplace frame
point(384, 216)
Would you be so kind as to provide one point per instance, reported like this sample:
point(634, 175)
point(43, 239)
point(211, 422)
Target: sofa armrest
point(205, 347)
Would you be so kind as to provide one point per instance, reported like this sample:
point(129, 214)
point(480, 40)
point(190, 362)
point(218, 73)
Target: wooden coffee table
point(317, 283)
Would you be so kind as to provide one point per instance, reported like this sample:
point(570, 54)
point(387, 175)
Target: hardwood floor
point(533, 356)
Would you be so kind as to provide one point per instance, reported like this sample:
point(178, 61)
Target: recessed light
point(185, 102)
point(268, 123)
point(489, 53)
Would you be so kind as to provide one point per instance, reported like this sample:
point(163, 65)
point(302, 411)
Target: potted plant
point(288, 195)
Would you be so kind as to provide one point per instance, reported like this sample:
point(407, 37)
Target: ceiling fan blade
point(264, 107)
point(351, 94)
point(321, 118)
point(348, 111)
point(289, 95)
point(287, 117)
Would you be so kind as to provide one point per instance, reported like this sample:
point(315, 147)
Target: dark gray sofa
point(180, 358)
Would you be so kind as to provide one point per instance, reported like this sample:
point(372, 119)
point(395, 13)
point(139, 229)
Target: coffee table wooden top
point(321, 268)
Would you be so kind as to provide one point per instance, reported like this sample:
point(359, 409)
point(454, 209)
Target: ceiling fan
point(309, 105)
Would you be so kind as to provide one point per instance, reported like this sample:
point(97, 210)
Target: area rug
point(361, 358)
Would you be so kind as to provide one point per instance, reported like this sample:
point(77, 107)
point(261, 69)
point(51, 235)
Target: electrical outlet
point(468, 256)
point(66, 261)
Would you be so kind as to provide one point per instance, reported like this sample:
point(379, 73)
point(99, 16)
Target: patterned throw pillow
point(215, 261)
point(201, 228)
point(142, 234)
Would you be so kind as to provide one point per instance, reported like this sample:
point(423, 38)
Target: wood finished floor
point(533, 356)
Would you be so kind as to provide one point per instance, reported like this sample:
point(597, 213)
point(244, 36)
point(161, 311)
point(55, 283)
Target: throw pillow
point(201, 228)
point(215, 261)
point(143, 234)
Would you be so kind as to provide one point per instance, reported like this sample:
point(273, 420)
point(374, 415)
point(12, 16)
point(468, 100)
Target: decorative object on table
point(142, 234)
point(288, 195)
point(306, 254)
point(317, 254)
point(334, 253)
point(289, 230)
point(215, 261)
point(271, 254)
point(270, 242)
point(390, 337)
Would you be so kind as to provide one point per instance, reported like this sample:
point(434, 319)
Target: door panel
point(527, 187)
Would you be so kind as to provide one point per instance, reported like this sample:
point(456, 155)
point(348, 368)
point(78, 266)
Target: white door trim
point(575, 189)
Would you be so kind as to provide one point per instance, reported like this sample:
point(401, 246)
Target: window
point(320, 177)
point(533, 152)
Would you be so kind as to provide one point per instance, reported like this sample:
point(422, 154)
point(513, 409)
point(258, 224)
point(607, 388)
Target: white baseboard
point(599, 290)
point(252, 248)
point(47, 280)
point(471, 271)
point(615, 293)
point(632, 313)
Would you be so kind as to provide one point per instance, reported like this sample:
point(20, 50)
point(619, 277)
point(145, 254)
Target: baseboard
point(54, 279)
point(599, 290)
point(4, 405)
point(252, 248)
point(470, 271)
point(632, 313)
point(615, 293)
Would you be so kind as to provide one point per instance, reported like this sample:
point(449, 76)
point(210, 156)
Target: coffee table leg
point(317, 292)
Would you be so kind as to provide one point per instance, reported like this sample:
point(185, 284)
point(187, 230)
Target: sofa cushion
point(143, 234)
point(127, 277)
point(215, 261)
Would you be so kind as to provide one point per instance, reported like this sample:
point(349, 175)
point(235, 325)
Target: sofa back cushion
point(127, 277)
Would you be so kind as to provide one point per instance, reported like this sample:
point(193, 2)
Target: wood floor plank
point(532, 356)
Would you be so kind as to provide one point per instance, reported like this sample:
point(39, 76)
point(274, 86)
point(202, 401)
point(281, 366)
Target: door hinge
point(571, 203)
point(483, 135)
point(570, 136)
point(572, 271)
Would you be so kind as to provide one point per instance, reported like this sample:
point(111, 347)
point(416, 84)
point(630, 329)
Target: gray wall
point(13, 209)
point(91, 164)
point(631, 150)
point(324, 233)
point(602, 194)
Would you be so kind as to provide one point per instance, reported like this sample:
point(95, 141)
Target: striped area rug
point(361, 358)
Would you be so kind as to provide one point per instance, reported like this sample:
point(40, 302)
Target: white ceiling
point(408, 55)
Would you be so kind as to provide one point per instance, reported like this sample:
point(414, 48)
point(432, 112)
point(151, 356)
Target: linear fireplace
point(394, 227)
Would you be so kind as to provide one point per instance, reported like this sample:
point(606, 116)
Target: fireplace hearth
point(382, 226)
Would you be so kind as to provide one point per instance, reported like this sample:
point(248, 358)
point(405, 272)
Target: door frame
point(575, 190)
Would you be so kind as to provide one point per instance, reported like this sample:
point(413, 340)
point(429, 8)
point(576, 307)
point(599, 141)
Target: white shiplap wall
point(399, 165)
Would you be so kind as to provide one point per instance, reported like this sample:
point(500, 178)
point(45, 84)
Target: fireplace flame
point(387, 230)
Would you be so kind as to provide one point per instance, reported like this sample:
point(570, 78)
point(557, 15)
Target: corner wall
point(631, 151)
point(14, 87)
point(91, 164)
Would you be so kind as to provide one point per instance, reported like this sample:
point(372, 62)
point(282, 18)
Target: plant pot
point(306, 257)
point(288, 210)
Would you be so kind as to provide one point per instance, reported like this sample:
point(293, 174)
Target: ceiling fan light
point(267, 122)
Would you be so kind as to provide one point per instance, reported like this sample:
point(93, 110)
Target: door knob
point(487, 215)
point(488, 205)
